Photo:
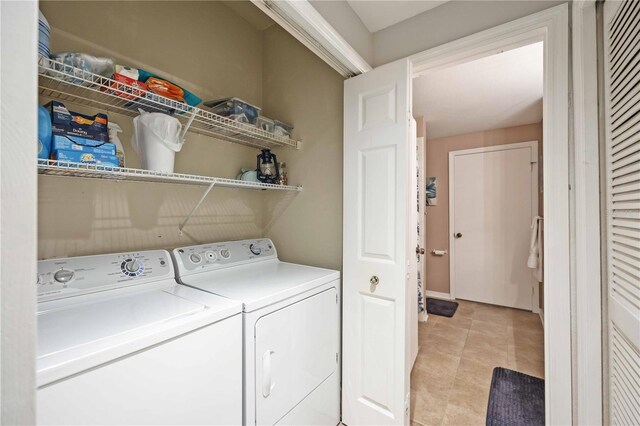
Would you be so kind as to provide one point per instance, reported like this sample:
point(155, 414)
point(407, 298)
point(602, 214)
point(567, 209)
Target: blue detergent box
point(75, 143)
point(86, 157)
point(94, 129)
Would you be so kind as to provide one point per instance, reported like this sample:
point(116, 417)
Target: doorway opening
point(481, 122)
point(380, 221)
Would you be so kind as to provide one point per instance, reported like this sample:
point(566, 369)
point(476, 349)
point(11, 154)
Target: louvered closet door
point(622, 106)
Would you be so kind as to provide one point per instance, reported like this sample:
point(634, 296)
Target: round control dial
point(64, 275)
point(195, 258)
point(132, 267)
point(225, 253)
point(211, 255)
point(255, 249)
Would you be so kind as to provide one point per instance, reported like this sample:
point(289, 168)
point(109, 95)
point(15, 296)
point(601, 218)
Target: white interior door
point(412, 282)
point(422, 235)
point(378, 245)
point(622, 116)
point(493, 200)
point(417, 306)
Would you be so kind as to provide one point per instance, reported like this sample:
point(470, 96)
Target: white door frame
point(18, 211)
point(552, 27)
point(588, 397)
point(535, 302)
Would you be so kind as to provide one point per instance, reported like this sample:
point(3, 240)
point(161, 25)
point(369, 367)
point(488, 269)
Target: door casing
point(550, 26)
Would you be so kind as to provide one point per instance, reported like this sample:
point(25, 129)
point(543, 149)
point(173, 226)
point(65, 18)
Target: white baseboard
point(438, 295)
point(541, 317)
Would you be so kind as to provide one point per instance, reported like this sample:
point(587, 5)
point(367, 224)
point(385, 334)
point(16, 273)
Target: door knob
point(374, 281)
point(419, 250)
point(459, 235)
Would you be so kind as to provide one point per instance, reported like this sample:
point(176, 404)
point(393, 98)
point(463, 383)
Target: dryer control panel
point(221, 255)
point(64, 277)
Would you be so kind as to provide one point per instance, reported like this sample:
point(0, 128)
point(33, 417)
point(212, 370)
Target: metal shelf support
point(193, 210)
point(185, 128)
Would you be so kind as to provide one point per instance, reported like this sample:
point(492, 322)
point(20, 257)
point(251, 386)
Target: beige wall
point(215, 53)
point(437, 164)
point(448, 22)
point(300, 88)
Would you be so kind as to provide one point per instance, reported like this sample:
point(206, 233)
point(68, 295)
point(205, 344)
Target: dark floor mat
point(515, 399)
point(443, 308)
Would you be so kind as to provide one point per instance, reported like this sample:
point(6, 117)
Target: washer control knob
point(195, 258)
point(225, 253)
point(255, 249)
point(64, 275)
point(132, 265)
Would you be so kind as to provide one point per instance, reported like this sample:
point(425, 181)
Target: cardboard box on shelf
point(86, 157)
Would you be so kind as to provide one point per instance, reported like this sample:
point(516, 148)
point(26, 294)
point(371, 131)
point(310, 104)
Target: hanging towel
point(535, 248)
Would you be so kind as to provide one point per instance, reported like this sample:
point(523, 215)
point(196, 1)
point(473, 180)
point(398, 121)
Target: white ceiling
point(379, 14)
point(497, 91)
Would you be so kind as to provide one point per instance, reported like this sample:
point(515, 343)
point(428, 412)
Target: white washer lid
point(261, 284)
point(74, 335)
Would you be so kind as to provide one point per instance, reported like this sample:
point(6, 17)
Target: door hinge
point(336, 357)
point(336, 299)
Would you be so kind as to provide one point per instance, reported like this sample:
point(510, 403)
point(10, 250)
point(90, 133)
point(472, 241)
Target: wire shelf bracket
point(198, 204)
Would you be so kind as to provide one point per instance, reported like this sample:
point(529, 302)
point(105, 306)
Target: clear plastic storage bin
point(234, 109)
point(266, 124)
point(282, 129)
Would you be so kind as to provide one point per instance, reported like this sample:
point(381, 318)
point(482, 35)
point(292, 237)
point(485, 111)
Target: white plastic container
point(156, 138)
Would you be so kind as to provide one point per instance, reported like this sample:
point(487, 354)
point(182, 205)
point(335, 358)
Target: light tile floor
point(452, 374)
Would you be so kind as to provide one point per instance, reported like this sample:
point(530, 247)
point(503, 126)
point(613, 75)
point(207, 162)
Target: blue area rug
point(443, 308)
point(515, 399)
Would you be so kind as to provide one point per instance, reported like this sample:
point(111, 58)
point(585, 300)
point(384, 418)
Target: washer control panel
point(58, 278)
point(222, 255)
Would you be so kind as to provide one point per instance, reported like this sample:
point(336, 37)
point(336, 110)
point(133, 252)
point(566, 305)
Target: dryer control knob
point(64, 275)
point(195, 258)
point(132, 266)
point(255, 249)
point(225, 253)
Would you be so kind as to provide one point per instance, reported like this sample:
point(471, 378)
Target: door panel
point(378, 211)
point(296, 350)
point(379, 156)
point(622, 146)
point(377, 389)
point(493, 205)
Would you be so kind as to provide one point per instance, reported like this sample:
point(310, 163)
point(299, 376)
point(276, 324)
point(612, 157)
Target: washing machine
point(121, 342)
point(291, 328)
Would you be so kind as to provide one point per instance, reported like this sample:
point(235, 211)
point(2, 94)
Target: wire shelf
point(70, 84)
point(66, 168)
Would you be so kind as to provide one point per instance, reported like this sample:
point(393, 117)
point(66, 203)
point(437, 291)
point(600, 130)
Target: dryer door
point(296, 350)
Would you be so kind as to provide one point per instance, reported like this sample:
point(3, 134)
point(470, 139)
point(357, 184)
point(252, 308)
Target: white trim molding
point(438, 295)
point(550, 26)
point(18, 211)
point(310, 28)
point(586, 229)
